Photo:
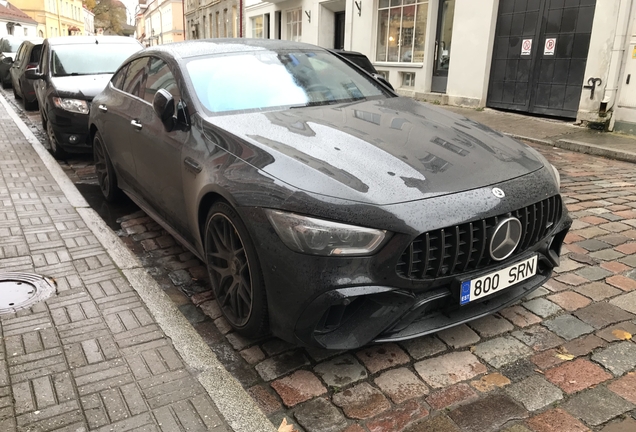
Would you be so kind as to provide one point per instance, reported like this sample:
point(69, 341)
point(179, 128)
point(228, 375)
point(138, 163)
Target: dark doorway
point(443, 41)
point(540, 54)
point(339, 32)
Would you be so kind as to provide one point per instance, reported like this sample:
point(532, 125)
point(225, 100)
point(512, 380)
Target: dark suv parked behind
point(71, 72)
point(27, 57)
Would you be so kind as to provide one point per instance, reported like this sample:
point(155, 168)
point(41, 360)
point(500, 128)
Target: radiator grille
point(461, 248)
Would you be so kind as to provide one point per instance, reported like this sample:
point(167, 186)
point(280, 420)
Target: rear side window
point(136, 77)
point(119, 78)
point(160, 77)
point(35, 54)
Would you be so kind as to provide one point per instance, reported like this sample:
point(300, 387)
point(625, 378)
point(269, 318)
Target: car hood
point(382, 152)
point(81, 86)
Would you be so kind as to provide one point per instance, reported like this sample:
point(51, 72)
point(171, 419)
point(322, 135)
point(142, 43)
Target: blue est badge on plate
point(465, 293)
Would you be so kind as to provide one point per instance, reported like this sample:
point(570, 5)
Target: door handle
point(103, 107)
point(136, 124)
point(192, 164)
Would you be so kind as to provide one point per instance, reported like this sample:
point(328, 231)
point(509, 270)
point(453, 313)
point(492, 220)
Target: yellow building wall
point(54, 17)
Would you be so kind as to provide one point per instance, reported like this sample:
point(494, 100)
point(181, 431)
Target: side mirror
point(383, 80)
point(163, 105)
point(33, 74)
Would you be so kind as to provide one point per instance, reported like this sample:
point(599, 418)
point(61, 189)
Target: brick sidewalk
point(92, 356)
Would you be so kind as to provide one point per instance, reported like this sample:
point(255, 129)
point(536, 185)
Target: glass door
point(443, 41)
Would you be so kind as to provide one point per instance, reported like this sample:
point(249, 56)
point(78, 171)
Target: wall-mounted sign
point(550, 45)
point(526, 47)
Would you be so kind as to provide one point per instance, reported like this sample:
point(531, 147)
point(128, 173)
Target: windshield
point(267, 79)
point(10, 45)
point(90, 59)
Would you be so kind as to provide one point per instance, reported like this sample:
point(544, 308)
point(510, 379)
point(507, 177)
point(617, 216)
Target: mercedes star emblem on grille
point(498, 193)
point(505, 238)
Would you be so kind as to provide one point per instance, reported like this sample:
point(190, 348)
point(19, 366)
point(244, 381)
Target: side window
point(18, 55)
point(136, 77)
point(160, 77)
point(118, 79)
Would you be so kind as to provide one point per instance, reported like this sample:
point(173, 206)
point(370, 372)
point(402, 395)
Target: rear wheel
point(104, 170)
point(234, 271)
point(54, 146)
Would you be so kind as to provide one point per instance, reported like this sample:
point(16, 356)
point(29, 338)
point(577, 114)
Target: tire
point(6, 85)
point(54, 147)
point(234, 271)
point(105, 170)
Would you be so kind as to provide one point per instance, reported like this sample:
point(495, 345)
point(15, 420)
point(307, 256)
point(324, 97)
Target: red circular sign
point(549, 44)
point(527, 44)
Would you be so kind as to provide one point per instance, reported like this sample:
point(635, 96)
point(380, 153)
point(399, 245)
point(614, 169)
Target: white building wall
point(471, 56)
point(624, 119)
point(607, 47)
point(21, 31)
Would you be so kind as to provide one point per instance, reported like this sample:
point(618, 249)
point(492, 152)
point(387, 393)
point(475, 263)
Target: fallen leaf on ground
point(284, 427)
point(621, 334)
point(566, 357)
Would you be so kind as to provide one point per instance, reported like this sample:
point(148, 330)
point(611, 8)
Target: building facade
point(89, 22)
point(163, 22)
point(213, 19)
point(55, 17)
point(15, 22)
point(562, 58)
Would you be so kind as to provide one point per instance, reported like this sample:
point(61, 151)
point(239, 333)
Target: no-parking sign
point(550, 45)
point(526, 47)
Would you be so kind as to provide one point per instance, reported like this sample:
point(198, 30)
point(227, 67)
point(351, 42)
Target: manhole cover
point(22, 290)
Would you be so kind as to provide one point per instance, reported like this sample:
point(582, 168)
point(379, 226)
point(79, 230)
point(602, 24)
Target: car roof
point(202, 47)
point(83, 40)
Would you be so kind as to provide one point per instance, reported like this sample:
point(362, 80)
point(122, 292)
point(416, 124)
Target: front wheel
point(54, 146)
point(234, 271)
point(104, 170)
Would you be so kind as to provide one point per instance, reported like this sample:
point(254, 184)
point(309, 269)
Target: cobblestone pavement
point(90, 357)
point(561, 360)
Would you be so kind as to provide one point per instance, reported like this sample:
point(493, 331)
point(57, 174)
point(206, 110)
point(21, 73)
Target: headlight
point(72, 105)
point(320, 237)
point(557, 176)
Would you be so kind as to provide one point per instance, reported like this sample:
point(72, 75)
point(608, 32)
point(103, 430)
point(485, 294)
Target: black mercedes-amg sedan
point(329, 210)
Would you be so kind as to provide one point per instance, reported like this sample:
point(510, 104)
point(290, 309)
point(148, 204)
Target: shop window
point(408, 79)
point(257, 27)
point(294, 25)
point(401, 31)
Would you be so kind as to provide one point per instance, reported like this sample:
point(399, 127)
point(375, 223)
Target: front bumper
point(71, 130)
point(345, 303)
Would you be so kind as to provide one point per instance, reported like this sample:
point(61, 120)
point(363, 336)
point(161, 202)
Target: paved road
point(562, 360)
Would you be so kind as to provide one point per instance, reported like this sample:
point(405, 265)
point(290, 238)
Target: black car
point(26, 58)
point(72, 70)
point(8, 48)
point(363, 62)
point(326, 208)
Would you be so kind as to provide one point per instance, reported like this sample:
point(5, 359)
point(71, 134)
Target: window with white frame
point(408, 79)
point(257, 27)
point(294, 25)
point(401, 30)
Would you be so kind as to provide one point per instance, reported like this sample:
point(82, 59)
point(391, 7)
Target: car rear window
point(89, 59)
point(267, 79)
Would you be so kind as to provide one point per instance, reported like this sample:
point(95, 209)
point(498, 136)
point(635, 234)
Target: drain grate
point(22, 290)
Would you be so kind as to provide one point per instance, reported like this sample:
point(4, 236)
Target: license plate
point(494, 282)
